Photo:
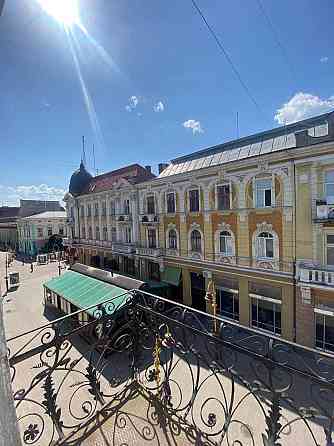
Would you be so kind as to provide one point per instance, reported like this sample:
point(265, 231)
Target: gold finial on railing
point(210, 297)
point(156, 356)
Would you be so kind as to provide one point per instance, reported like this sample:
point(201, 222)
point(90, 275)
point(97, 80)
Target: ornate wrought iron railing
point(205, 379)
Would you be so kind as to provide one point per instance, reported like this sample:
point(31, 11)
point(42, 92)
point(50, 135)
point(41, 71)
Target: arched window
point(195, 240)
point(265, 245)
point(172, 239)
point(90, 233)
point(97, 233)
point(225, 243)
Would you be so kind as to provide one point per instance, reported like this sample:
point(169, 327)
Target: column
point(134, 215)
point(100, 219)
point(208, 236)
point(244, 303)
point(108, 218)
point(305, 319)
point(287, 312)
point(186, 285)
point(183, 224)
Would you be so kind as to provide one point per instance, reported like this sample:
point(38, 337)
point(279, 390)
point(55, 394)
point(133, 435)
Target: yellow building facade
point(254, 215)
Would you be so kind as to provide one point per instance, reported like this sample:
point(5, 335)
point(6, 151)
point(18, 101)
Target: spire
point(83, 156)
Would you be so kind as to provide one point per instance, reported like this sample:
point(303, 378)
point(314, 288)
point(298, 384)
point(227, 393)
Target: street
point(23, 307)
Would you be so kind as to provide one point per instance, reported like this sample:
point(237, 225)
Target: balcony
point(124, 218)
point(324, 211)
point(167, 374)
point(150, 252)
point(124, 248)
point(316, 274)
point(150, 219)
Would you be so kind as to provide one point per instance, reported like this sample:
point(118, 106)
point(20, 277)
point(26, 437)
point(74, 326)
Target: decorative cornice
point(224, 227)
point(195, 225)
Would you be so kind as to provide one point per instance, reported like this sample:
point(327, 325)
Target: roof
point(307, 132)
point(132, 174)
point(83, 291)
point(119, 280)
point(47, 215)
point(9, 213)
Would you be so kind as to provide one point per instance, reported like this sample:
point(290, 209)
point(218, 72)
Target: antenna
point(237, 124)
point(83, 158)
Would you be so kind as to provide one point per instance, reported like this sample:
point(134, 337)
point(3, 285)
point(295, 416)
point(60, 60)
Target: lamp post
point(210, 297)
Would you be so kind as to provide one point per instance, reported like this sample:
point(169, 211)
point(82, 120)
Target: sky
point(144, 81)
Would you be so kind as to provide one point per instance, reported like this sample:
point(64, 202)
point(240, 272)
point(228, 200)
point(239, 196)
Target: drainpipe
point(294, 249)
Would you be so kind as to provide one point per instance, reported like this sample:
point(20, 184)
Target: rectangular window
point(97, 233)
point(170, 198)
point(83, 232)
point(127, 207)
point(263, 193)
point(152, 238)
point(61, 230)
point(112, 208)
point(329, 186)
point(150, 205)
point(129, 266)
point(82, 211)
point(153, 271)
point(114, 234)
point(266, 315)
point(228, 303)
point(330, 249)
point(89, 210)
point(39, 232)
point(127, 234)
point(324, 331)
point(104, 209)
point(223, 197)
point(96, 207)
point(194, 200)
point(105, 233)
point(49, 231)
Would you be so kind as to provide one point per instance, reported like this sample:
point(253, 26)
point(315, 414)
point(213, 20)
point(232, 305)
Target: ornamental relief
point(264, 227)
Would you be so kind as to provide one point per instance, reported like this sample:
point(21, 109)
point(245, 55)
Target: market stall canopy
point(83, 291)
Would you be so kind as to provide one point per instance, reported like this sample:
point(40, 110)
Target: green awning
point(171, 275)
point(84, 291)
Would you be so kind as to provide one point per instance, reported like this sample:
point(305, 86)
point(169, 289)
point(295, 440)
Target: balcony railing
point(324, 211)
point(316, 273)
point(150, 252)
point(122, 247)
point(152, 372)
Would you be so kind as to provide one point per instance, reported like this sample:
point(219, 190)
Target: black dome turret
point(79, 180)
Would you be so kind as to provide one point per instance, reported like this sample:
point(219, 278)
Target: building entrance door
point(198, 291)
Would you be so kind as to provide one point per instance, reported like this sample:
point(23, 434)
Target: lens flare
point(65, 12)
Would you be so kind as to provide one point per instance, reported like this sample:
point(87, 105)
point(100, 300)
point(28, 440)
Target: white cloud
point(133, 102)
point(302, 106)
point(324, 59)
point(159, 107)
point(11, 195)
point(195, 126)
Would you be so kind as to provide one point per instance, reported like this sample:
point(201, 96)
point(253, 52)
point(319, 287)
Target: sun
point(65, 12)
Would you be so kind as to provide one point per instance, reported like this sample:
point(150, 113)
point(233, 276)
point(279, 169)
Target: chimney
point(148, 168)
point(162, 167)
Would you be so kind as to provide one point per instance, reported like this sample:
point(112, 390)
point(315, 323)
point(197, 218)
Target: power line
point(228, 58)
point(277, 39)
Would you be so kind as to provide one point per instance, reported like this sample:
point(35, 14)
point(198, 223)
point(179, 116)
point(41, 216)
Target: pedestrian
point(23, 262)
point(31, 267)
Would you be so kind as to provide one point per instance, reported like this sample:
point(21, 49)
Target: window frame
point(105, 233)
point(174, 201)
point(97, 233)
point(229, 184)
point(104, 208)
point(323, 313)
point(260, 298)
point(112, 211)
point(49, 231)
point(235, 294)
point(272, 238)
point(327, 245)
point(197, 189)
point(127, 234)
point(230, 236)
point(96, 209)
point(328, 170)
point(169, 239)
point(191, 241)
point(150, 196)
point(272, 204)
point(148, 237)
point(40, 232)
point(89, 210)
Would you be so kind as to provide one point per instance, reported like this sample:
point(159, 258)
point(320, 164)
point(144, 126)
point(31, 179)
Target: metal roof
point(281, 138)
point(47, 215)
point(83, 291)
